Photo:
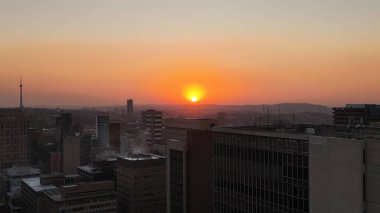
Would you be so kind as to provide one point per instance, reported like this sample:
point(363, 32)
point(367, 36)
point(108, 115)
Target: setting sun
point(194, 93)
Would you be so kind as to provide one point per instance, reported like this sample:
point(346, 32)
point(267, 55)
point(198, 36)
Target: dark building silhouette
point(98, 196)
point(259, 171)
point(85, 149)
point(141, 184)
point(152, 122)
point(130, 110)
point(64, 122)
point(13, 138)
point(114, 135)
point(102, 130)
point(189, 161)
point(357, 114)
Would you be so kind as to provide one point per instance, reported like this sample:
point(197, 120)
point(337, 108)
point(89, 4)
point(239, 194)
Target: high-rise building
point(152, 123)
point(357, 114)
point(301, 169)
point(189, 164)
point(85, 149)
point(71, 154)
point(13, 139)
point(114, 135)
point(130, 110)
point(102, 130)
point(98, 196)
point(64, 122)
point(141, 183)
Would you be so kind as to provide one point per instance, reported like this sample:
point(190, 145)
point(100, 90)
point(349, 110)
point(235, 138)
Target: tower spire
point(21, 104)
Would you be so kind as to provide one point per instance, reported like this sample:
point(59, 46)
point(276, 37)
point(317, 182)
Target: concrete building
point(85, 148)
point(114, 135)
point(357, 114)
point(301, 169)
point(130, 117)
point(152, 123)
point(10, 180)
point(31, 192)
point(102, 130)
point(91, 173)
point(13, 139)
point(90, 197)
point(71, 154)
point(141, 184)
point(189, 164)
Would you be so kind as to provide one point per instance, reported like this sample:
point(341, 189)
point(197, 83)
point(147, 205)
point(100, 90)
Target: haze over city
point(83, 53)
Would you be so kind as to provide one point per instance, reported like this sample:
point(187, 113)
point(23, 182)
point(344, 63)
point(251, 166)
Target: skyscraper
point(114, 135)
point(152, 122)
point(189, 164)
point(102, 130)
point(129, 110)
point(13, 139)
point(302, 168)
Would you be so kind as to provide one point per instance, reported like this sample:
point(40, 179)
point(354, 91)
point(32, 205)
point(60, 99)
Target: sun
point(194, 99)
point(194, 93)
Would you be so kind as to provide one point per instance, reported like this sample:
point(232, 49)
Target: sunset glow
point(194, 93)
point(170, 51)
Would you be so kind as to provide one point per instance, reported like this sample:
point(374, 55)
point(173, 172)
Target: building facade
point(152, 123)
point(90, 197)
point(356, 114)
point(141, 184)
point(102, 129)
point(189, 158)
point(13, 139)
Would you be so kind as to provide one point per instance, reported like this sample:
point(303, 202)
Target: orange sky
point(105, 58)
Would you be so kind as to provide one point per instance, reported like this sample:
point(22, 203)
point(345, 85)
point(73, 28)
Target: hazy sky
point(101, 52)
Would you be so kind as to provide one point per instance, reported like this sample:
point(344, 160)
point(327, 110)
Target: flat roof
point(20, 171)
point(36, 185)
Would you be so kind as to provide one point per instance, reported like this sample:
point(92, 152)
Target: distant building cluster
point(141, 161)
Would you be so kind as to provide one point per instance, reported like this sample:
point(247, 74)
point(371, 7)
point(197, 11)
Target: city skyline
point(241, 52)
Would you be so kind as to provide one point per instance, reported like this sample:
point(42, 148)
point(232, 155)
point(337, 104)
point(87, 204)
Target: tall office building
point(130, 110)
point(189, 164)
point(114, 135)
point(99, 196)
point(31, 193)
point(102, 130)
point(64, 122)
point(152, 123)
point(13, 138)
point(141, 183)
point(300, 169)
point(357, 114)
point(71, 154)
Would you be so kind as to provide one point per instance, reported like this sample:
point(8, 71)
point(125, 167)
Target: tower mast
point(21, 104)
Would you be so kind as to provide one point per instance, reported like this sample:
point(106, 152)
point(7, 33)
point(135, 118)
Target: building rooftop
point(36, 185)
point(139, 156)
point(20, 171)
point(90, 169)
point(303, 131)
point(80, 190)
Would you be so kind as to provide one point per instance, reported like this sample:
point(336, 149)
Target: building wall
point(260, 172)
point(199, 170)
point(372, 176)
point(13, 140)
point(336, 175)
point(102, 130)
point(141, 185)
point(71, 154)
